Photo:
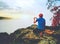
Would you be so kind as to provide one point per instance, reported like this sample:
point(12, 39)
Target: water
point(10, 26)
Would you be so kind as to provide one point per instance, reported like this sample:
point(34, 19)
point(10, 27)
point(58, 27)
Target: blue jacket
point(41, 23)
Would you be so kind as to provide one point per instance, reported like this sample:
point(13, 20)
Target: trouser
point(38, 31)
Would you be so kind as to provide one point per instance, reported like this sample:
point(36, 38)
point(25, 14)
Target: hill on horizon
point(1, 18)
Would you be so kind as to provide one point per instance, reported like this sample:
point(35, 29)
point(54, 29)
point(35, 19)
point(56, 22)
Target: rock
point(27, 36)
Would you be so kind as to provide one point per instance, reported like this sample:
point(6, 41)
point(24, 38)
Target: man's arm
point(35, 19)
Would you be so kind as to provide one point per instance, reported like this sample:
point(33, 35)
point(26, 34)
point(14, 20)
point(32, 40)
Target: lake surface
point(10, 26)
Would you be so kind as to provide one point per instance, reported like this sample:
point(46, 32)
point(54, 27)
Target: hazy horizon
point(22, 13)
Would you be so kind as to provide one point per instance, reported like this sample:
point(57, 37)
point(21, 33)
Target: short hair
point(40, 15)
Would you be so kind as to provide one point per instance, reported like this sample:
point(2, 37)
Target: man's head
point(40, 15)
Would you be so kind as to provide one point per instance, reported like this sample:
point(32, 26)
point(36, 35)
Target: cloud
point(3, 5)
point(19, 3)
point(24, 3)
point(6, 6)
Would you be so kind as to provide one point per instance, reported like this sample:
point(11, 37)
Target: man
point(41, 24)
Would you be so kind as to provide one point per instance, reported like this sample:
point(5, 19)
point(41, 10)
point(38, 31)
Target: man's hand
point(34, 21)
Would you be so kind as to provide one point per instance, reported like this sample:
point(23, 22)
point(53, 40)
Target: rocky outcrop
point(5, 38)
point(27, 36)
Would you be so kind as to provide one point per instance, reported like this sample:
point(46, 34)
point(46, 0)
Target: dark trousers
point(37, 31)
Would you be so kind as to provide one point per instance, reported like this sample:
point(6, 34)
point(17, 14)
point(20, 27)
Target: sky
point(23, 8)
point(22, 12)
